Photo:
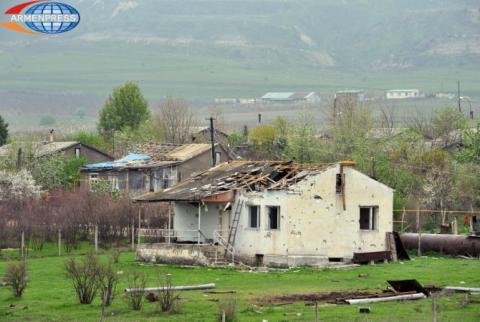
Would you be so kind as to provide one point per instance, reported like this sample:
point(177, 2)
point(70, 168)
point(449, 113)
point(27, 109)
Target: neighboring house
point(402, 94)
point(350, 95)
point(66, 148)
point(275, 214)
point(201, 134)
point(291, 97)
point(152, 167)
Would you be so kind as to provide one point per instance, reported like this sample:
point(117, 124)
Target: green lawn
point(50, 296)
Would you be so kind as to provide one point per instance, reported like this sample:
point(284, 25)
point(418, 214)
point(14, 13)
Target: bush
point(228, 308)
point(84, 275)
point(107, 280)
point(116, 255)
point(16, 277)
point(137, 281)
point(167, 297)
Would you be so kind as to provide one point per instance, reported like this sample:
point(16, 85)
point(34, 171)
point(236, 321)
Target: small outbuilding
point(273, 213)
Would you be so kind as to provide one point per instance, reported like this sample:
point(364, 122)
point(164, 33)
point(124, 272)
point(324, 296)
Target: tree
point(18, 185)
point(125, 107)
point(263, 138)
point(301, 142)
point(471, 146)
point(3, 131)
point(175, 121)
point(56, 171)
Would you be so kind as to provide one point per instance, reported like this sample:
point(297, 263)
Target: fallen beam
point(415, 296)
point(173, 288)
point(463, 289)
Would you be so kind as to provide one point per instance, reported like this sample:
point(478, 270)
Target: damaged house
point(273, 213)
point(152, 167)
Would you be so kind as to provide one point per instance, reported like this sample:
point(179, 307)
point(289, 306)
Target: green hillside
point(201, 49)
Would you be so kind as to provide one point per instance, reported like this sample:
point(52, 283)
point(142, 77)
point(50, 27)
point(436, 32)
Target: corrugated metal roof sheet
point(277, 95)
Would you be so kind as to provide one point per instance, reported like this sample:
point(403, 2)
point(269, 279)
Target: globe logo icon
point(68, 18)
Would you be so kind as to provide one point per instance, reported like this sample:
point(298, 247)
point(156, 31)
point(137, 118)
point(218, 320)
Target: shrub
point(107, 280)
point(137, 281)
point(227, 308)
point(84, 275)
point(116, 255)
point(167, 297)
point(16, 277)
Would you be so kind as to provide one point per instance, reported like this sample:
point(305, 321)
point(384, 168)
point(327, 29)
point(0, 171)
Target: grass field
point(50, 296)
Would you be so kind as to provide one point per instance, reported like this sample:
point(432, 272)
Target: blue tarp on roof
point(129, 159)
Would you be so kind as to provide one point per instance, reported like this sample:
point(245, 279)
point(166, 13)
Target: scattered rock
point(152, 297)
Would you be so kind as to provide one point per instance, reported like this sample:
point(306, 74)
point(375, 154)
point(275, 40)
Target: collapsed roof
point(237, 175)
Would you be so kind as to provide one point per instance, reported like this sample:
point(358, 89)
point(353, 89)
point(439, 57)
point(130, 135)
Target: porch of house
point(200, 233)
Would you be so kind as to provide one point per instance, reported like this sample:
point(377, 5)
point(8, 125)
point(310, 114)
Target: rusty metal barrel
point(446, 244)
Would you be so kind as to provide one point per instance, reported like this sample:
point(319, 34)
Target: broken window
point(254, 216)
point(273, 213)
point(368, 218)
point(339, 183)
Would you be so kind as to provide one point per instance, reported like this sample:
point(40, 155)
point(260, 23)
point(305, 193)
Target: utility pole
point(459, 98)
point(212, 140)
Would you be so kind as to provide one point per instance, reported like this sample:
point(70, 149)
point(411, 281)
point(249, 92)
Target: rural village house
point(273, 213)
point(50, 148)
point(152, 167)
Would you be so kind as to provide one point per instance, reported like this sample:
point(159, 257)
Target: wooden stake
point(434, 308)
point(139, 225)
point(403, 220)
point(59, 242)
point(419, 232)
point(133, 236)
point(471, 219)
point(23, 244)
point(169, 221)
point(316, 311)
point(96, 239)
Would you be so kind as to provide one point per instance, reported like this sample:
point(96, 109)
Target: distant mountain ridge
point(379, 34)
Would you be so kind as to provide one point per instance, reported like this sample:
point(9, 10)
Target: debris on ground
point(404, 286)
point(220, 292)
point(462, 289)
point(399, 290)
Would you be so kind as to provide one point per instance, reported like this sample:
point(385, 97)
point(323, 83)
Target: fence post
point(59, 242)
point(133, 236)
point(169, 221)
point(455, 226)
point(96, 238)
point(419, 233)
point(139, 225)
point(23, 244)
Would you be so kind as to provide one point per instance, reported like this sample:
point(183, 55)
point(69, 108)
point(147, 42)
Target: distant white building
point(291, 97)
point(402, 94)
point(356, 95)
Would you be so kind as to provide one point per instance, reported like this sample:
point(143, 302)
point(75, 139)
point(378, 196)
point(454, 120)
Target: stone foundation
point(178, 254)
